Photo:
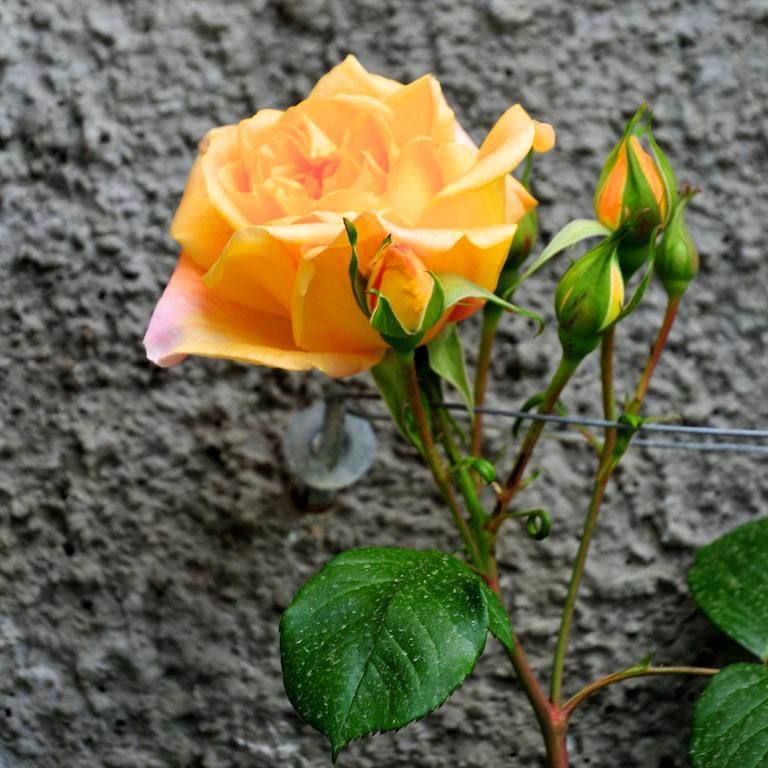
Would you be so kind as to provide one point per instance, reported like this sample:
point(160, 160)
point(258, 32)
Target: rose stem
point(561, 377)
point(628, 674)
point(491, 317)
point(609, 460)
point(435, 461)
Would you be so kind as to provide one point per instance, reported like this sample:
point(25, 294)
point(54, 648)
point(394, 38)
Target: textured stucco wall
point(147, 544)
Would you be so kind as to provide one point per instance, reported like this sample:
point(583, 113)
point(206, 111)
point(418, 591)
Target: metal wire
point(680, 429)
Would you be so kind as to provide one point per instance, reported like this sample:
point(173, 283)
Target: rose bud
point(677, 260)
point(631, 187)
point(400, 276)
point(589, 299)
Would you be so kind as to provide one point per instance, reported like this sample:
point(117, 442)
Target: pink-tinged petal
point(191, 319)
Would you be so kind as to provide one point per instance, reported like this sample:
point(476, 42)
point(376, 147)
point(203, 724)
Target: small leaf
point(446, 359)
point(498, 620)
point(379, 638)
point(457, 289)
point(388, 377)
point(730, 722)
point(729, 581)
point(573, 232)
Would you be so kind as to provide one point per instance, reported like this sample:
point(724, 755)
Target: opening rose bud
point(589, 299)
point(400, 276)
point(677, 261)
point(631, 186)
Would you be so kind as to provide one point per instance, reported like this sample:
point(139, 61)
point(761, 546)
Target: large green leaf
point(730, 582)
point(379, 638)
point(446, 358)
point(573, 232)
point(730, 722)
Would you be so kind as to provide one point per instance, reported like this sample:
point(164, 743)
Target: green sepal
point(388, 377)
point(446, 359)
point(629, 130)
point(665, 167)
point(572, 233)
point(385, 321)
point(355, 278)
point(639, 196)
point(729, 581)
point(642, 286)
point(458, 288)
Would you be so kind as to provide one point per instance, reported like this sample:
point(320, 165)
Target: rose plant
point(353, 232)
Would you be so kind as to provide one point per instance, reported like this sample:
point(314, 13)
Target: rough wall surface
point(147, 543)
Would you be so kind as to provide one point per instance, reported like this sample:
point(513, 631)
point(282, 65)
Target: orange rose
point(263, 278)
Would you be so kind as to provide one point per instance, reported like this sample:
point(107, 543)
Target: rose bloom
point(263, 273)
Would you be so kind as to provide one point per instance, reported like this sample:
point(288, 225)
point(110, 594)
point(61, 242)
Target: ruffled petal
point(351, 77)
point(257, 268)
point(190, 319)
point(420, 109)
point(504, 148)
point(198, 226)
point(325, 313)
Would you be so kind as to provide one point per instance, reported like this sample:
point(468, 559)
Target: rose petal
point(325, 313)
point(350, 77)
point(257, 268)
point(420, 109)
point(504, 148)
point(190, 319)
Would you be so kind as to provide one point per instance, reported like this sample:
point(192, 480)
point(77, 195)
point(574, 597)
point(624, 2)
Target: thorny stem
point(435, 461)
point(561, 377)
point(491, 317)
point(628, 674)
point(609, 460)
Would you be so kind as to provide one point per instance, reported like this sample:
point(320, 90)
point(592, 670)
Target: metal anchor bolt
point(326, 450)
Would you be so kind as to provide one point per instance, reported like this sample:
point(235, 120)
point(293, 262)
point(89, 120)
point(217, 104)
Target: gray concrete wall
point(147, 543)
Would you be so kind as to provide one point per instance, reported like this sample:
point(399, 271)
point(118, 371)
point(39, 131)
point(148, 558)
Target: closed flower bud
point(400, 276)
point(631, 186)
point(677, 260)
point(589, 299)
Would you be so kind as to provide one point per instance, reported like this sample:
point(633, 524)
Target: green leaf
point(498, 620)
point(446, 359)
point(730, 722)
point(729, 581)
point(388, 377)
point(379, 638)
point(573, 232)
point(457, 289)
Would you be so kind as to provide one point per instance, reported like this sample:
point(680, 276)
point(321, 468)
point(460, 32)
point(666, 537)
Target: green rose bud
point(677, 261)
point(589, 298)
